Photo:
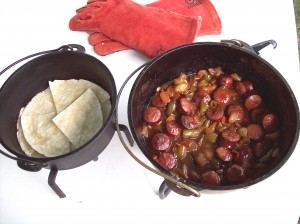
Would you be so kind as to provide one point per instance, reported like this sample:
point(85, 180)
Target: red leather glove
point(211, 23)
point(147, 29)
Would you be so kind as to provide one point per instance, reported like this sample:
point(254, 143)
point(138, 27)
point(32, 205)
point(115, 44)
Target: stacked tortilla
point(62, 118)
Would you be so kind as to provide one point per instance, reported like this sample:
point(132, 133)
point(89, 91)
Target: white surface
point(116, 188)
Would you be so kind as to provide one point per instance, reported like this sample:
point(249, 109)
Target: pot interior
point(33, 77)
point(190, 59)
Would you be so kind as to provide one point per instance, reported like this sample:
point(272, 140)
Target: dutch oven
point(232, 56)
point(66, 62)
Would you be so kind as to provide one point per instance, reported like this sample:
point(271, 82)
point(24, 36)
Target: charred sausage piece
point(186, 106)
point(255, 132)
point(226, 81)
point(173, 128)
point(161, 141)
point(211, 178)
point(152, 115)
point(215, 113)
point(224, 154)
point(270, 122)
point(157, 101)
point(189, 122)
point(235, 112)
point(167, 161)
point(201, 96)
point(253, 102)
point(235, 174)
point(222, 95)
point(229, 139)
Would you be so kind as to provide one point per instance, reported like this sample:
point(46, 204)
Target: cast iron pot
point(66, 62)
point(231, 56)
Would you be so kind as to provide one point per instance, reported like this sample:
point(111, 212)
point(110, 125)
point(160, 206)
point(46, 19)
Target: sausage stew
point(211, 128)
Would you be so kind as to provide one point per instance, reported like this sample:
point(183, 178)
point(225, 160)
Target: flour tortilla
point(43, 135)
point(42, 103)
point(65, 92)
point(82, 119)
point(106, 107)
point(27, 149)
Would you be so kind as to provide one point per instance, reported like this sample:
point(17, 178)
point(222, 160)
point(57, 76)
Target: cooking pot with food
point(68, 62)
point(240, 61)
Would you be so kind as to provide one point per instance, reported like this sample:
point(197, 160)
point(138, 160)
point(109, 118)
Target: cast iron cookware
point(66, 62)
point(231, 56)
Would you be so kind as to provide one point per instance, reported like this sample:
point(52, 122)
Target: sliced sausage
point(270, 122)
point(189, 122)
point(152, 115)
point(201, 96)
point(157, 101)
point(255, 132)
point(243, 155)
point(235, 174)
point(240, 88)
point(222, 95)
point(235, 112)
point(229, 139)
point(167, 161)
point(224, 154)
point(226, 81)
point(186, 106)
point(261, 148)
point(161, 141)
point(211, 178)
point(248, 85)
point(258, 114)
point(253, 102)
point(173, 128)
point(215, 113)
point(250, 93)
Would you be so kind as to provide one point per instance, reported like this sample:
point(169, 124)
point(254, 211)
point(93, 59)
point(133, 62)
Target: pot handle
point(27, 164)
point(166, 176)
point(254, 48)
point(69, 47)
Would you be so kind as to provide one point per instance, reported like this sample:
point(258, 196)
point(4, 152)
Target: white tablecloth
point(116, 188)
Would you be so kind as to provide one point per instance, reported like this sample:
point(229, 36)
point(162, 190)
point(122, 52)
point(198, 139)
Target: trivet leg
point(164, 190)
point(53, 185)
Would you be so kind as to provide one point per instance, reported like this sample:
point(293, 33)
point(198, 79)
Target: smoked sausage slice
point(270, 122)
point(189, 122)
point(229, 139)
point(215, 113)
point(211, 178)
point(161, 141)
point(253, 102)
point(255, 132)
point(222, 95)
point(235, 174)
point(157, 101)
point(186, 106)
point(167, 161)
point(152, 115)
point(224, 154)
point(173, 128)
